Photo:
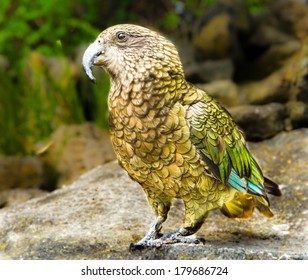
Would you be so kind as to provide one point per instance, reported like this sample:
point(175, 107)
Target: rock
point(298, 114)
point(267, 35)
point(22, 178)
point(260, 121)
point(240, 18)
point(214, 39)
point(75, 149)
point(291, 16)
point(277, 33)
point(276, 56)
point(24, 173)
point(274, 88)
point(280, 20)
point(298, 100)
point(16, 196)
point(185, 49)
point(210, 70)
point(98, 216)
point(219, 29)
point(225, 91)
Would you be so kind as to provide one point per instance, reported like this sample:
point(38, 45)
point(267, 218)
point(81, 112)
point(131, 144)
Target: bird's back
point(222, 146)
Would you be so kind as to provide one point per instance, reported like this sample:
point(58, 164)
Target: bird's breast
point(155, 148)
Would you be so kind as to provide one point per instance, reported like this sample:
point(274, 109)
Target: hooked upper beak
point(90, 57)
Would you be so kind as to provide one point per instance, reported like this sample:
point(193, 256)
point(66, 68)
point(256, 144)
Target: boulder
point(225, 91)
point(274, 88)
point(98, 215)
point(75, 149)
point(260, 121)
point(16, 196)
point(298, 100)
point(214, 39)
point(21, 172)
point(209, 70)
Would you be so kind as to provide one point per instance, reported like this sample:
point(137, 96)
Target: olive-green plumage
point(173, 138)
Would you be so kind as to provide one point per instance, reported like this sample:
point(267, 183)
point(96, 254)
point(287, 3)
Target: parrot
point(173, 138)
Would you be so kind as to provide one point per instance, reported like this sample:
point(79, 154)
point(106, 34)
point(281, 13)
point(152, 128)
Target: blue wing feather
point(244, 185)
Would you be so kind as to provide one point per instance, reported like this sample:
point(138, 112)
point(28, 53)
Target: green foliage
point(38, 87)
point(44, 97)
point(39, 24)
point(41, 86)
point(257, 6)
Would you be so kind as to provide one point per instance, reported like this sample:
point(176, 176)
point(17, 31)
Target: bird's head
point(132, 52)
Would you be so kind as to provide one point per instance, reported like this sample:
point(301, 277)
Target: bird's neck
point(144, 101)
point(150, 90)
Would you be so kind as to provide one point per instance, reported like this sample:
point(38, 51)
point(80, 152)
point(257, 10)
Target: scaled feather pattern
point(172, 137)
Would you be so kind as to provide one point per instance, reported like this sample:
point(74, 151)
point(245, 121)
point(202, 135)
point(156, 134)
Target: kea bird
point(172, 137)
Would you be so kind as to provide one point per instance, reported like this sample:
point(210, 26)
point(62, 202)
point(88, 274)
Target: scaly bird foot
point(176, 237)
point(168, 238)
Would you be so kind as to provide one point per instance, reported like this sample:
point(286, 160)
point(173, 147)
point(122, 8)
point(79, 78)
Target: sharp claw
point(141, 245)
point(176, 237)
point(136, 246)
point(168, 238)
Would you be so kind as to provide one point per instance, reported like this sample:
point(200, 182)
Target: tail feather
point(243, 205)
point(263, 206)
point(271, 187)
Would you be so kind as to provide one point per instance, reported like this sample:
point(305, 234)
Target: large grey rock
point(210, 70)
point(98, 216)
point(260, 121)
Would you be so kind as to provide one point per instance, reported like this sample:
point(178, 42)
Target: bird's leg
point(195, 215)
point(150, 239)
point(182, 236)
point(161, 205)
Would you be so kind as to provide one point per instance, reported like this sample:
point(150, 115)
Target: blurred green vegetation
point(41, 84)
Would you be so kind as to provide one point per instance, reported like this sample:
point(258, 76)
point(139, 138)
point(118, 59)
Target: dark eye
point(122, 36)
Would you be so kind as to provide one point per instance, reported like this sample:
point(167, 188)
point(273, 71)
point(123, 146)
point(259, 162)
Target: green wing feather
point(222, 146)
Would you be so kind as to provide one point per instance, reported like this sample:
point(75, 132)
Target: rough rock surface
point(98, 216)
point(210, 70)
point(224, 91)
point(24, 173)
point(74, 149)
point(268, 119)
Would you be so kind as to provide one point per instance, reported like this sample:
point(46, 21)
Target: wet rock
point(97, 216)
point(225, 91)
point(75, 149)
point(260, 121)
